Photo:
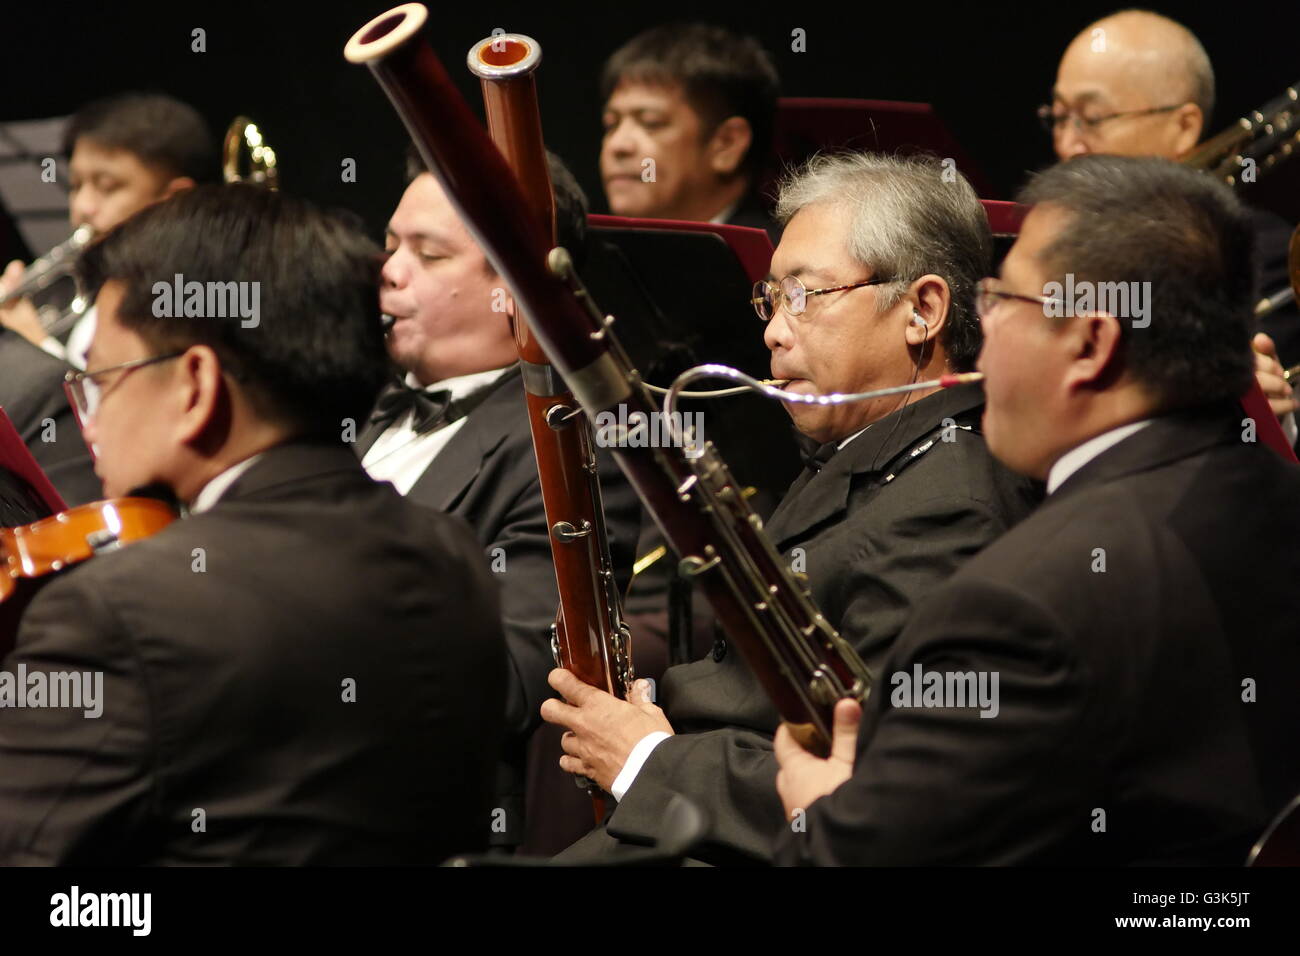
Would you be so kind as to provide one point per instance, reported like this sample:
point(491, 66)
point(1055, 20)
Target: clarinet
point(804, 666)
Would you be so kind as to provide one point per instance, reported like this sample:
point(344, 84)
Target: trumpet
point(243, 135)
point(49, 269)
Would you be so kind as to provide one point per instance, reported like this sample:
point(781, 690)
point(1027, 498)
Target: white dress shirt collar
point(460, 385)
point(840, 446)
point(211, 492)
point(1080, 455)
point(721, 218)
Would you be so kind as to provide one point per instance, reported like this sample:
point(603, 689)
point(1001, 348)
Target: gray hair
point(909, 217)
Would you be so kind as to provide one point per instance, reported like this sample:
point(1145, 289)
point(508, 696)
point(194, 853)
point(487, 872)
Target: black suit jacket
point(31, 393)
point(224, 642)
point(487, 474)
point(1148, 712)
point(755, 213)
point(876, 530)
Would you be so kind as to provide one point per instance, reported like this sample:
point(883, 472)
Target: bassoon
point(798, 658)
point(589, 637)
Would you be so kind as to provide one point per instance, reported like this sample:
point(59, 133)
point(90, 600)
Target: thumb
point(844, 730)
point(643, 691)
point(1264, 345)
point(13, 274)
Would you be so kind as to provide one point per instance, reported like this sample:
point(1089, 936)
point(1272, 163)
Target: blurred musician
point(454, 436)
point(252, 701)
point(1136, 634)
point(1138, 84)
point(689, 114)
point(126, 152)
point(872, 285)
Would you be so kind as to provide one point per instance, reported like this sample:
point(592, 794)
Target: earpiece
point(918, 319)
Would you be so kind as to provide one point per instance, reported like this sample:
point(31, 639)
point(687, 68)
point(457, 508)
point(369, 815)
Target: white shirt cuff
point(635, 761)
point(1289, 427)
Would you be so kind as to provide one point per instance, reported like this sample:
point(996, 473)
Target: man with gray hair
point(872, 285)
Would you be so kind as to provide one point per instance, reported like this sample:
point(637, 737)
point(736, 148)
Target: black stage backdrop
point(984, 66)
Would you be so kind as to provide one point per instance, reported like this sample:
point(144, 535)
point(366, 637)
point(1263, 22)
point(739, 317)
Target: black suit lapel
point(456, 466)
point(369, 435)
point(814, 499)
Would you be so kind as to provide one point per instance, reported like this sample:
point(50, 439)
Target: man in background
point(689, 115)
point(1138, 84)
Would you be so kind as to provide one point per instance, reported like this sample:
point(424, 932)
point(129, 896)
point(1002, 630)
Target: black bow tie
point(432, 409)
point(815, 456)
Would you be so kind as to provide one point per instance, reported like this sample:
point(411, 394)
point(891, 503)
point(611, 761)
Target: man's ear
point(175, 185)
point(729, 145)
point(1190, 124)
point(931, 298)
point(1092, 342)
point(201, 393)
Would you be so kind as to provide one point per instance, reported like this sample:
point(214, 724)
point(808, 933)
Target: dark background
point(984, 66)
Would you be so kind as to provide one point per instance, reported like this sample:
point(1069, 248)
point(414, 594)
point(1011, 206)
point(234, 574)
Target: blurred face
point(656, 123)
point(109, 186)
point(1093, 84)
point(130, 426)
point(441, 292)
point(842, 342)
point(1025, 357)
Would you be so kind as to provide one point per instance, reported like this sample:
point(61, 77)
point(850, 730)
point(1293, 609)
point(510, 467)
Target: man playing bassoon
point(872, 285)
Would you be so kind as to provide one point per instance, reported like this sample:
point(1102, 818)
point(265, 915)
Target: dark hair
point(162, 131)
point(570, 201)
point(317, 355)
point(1152, 220)
point(720, 73)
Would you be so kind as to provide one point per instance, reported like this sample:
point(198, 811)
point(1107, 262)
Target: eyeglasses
point(791, 293)
point(85, 392)
point(1053, 121)
point(986, 297)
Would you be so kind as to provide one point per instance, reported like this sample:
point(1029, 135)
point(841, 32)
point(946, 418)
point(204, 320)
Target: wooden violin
point(34, 552)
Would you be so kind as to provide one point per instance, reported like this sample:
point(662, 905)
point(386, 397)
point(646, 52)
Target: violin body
point(33, 553)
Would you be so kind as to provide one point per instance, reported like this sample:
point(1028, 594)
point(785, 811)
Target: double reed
point(801, 662)
point(589, 636)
